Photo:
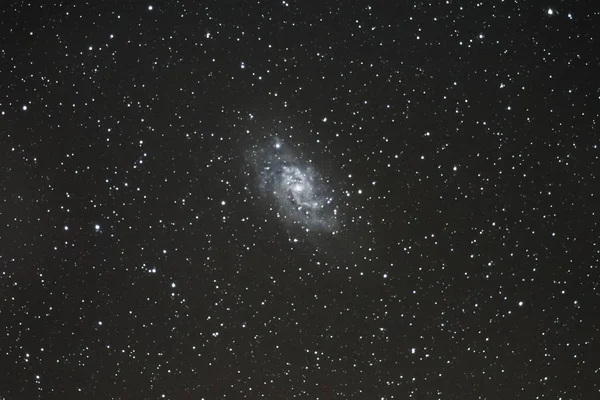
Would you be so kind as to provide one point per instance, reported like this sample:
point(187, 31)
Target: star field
point(293, 200)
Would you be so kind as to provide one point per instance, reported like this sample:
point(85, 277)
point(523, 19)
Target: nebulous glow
point(299, 191)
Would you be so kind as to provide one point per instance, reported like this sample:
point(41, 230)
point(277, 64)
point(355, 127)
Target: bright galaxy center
point(301, 194)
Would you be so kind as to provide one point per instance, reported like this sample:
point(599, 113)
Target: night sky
point(299, 200)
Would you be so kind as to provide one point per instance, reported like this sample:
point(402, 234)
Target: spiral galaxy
point(301, 195)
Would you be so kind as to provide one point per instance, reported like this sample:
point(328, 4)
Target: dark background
point(467, 268)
